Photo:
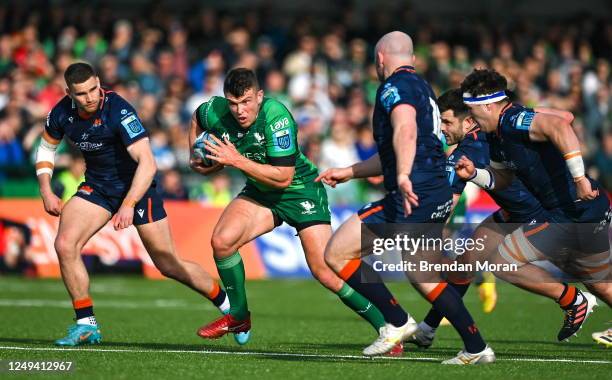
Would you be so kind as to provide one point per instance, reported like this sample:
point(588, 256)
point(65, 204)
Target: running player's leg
point(314, 238)
point(343, 254)
point(72, 235)
point(460, 281)
point(545, 241)
point(157, 239)
point(449, 303)
point(242, 221)
point(154, 230)
point(524, 277)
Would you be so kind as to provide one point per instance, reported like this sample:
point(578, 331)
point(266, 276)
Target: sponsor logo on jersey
point(389, 96)
point(84, 136)
point(89, 146)
point(97, 123)
point(140, 212)
point(308, 208)
point(225, 136)
point(70, 119)
point(523, 120)
point(442, 211)
point(124, 111)
point(283, 139)
point(284, 122)
point(259, 138)
point(132, 126)
point(255, 156)
point(85, 190)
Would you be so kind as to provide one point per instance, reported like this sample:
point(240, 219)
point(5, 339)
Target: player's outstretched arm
point(195, 163)
point(368, 168)
point(363, 169)
point(494, 177)
point(557, 130)
point(45, 161)
point(140, 151)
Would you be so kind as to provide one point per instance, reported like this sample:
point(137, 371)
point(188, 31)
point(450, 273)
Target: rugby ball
point(199, 148)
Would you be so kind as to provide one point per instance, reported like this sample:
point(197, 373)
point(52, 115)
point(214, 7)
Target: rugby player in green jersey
point(258, 136)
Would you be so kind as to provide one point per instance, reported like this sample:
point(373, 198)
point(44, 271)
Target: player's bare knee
point(331, 258)
point(223, 245)
point(66, 248)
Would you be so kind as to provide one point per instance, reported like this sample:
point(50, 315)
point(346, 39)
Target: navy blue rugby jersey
point(539, 165)
point(103, 139)
point(516, 199)
point(404, 86)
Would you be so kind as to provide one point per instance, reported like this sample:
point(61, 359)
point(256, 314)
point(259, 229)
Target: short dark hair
point(239, 80)
point(78, 73)
point(484, 81)
point(453, 100)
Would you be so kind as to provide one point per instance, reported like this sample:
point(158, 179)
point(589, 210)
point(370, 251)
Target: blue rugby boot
point(79, 335)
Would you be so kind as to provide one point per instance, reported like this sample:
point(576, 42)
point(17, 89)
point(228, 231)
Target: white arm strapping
point(483, 178)
point(574, 163)
point(45, 153)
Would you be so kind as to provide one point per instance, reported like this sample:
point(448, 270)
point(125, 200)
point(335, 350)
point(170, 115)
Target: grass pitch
point(300, 331)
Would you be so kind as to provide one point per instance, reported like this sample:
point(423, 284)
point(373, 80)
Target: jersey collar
point(407, 68)
point(474, 132)
point(501, 116)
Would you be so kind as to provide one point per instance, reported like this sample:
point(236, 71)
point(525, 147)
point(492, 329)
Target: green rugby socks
point(231, 271)
point(360, 305)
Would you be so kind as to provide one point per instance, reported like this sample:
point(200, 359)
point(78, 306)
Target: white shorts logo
point(308, 206)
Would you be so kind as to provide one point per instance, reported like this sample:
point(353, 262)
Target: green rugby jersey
point(272, 139)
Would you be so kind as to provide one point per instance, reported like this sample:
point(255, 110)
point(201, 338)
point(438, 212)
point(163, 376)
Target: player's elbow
point(153, 168)
point(567, 116)
point(283, 184)
point(561, 131)
point(149, 165)
point(285, 178)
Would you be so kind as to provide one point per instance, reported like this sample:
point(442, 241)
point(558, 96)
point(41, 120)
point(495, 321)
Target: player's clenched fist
point(584, 190)
point(123, 218)
point(334, 176)
point(53, 205)
point(465, 168)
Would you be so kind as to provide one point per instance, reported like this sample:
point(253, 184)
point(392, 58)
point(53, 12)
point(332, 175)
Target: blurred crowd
point(165, 64)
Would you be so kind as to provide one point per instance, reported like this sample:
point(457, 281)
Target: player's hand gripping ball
point(199, 148)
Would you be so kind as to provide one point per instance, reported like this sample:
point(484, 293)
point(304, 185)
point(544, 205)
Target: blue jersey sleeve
point(456, 183)
point(517, 126)
point(126, 120)
point(395, 93)
point(475, 151)
point(53, 126)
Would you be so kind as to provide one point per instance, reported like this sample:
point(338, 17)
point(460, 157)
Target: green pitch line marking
point(288, 354)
